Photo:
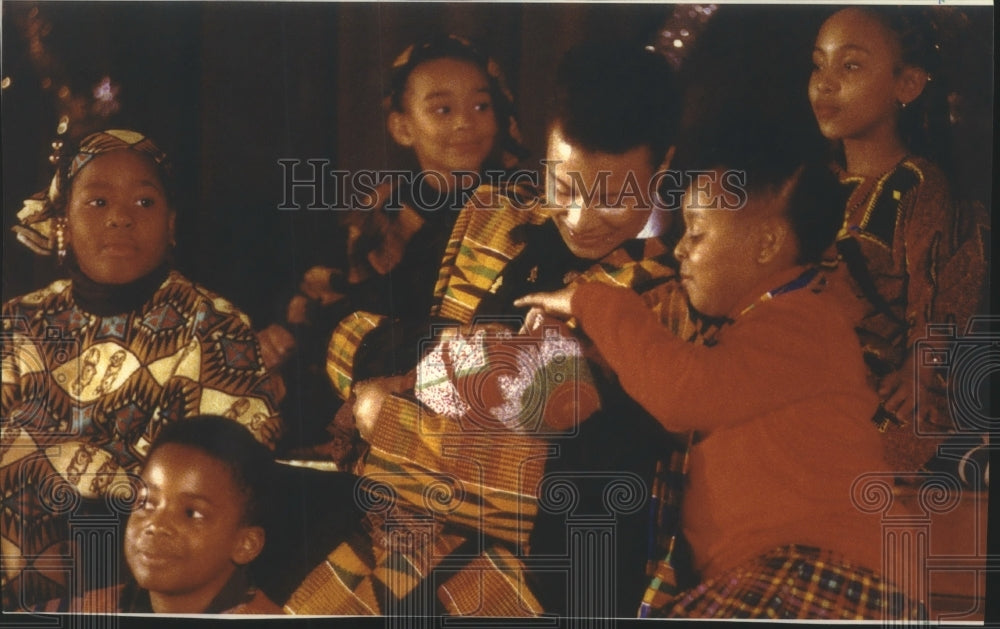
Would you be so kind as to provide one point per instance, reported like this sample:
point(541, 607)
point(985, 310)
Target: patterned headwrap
point(38, 216)
point(454, 47)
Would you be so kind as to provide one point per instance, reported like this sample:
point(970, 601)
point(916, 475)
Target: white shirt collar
point(655, 225)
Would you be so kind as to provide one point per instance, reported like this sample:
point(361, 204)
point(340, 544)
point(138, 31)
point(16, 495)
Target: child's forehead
point(176, 459)
point(859, 29)
point(444, 73)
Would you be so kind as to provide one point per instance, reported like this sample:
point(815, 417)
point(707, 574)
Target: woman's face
point(597, 200)
point(855, 80)
point(448, 120)
point(119, 224)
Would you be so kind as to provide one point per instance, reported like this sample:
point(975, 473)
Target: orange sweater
point(782, 412)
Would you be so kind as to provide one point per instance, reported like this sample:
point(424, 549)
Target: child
point(448, 104)
point(907, 255)
point(95, 365)
point(197, 524)
point(200, 520)
point(779, 401)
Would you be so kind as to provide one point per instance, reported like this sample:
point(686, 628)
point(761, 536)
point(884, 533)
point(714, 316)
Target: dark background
point(227, 89)
point(230, 88)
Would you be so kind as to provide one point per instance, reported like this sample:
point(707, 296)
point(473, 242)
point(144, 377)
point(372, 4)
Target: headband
point(449, 46)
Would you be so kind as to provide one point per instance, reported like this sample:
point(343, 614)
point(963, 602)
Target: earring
point(61, 240)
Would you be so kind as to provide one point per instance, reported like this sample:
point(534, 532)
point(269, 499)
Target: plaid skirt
point(795, 582)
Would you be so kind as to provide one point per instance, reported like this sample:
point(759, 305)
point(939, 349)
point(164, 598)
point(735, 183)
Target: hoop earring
point(61, 240)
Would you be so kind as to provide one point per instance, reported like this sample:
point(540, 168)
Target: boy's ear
point(910, 84)
point(249, 543)
point(772, 238)
point(399, 129)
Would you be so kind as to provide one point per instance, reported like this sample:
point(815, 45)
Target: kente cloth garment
point(908, 256)
point(358, 333)
point(795, 583)
point(237, 596)
point(393, 253)
point(781, 408)
point(666, 558)
point(84, 395)
point(463, 497)
point(36, 229)
point(395, 238)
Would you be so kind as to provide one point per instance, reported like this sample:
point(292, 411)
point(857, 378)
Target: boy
point(196, 527)
point(779, 402)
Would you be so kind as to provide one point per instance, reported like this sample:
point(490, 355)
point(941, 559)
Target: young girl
point(447, 103)
point(907, 255)
point(94, 366)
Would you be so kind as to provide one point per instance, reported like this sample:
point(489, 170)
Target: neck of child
point(873, 157)
point(769, 278)
point(448, 181)
point(196, 602)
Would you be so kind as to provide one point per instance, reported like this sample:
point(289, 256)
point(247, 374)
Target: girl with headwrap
point(95, 365)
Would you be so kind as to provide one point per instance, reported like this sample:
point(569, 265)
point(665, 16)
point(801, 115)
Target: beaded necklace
point(799, 282)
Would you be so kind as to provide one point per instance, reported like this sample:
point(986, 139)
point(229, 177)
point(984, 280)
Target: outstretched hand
point(555, 304)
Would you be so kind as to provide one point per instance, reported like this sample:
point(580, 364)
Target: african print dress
point(83, 398)
point(909, 257)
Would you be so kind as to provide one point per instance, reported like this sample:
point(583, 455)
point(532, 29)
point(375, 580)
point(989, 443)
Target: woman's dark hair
point(249, 462)
point(923, 124)
point(612, 97)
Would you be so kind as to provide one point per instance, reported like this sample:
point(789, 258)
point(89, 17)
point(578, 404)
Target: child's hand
point(276, 345)
point(316, 285)
point(899, 394)
point(369, 396)
point(556, 304)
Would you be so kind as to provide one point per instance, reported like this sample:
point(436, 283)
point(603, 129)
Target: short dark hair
point(772, 149)
point(250, 463)
point(611, 97)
